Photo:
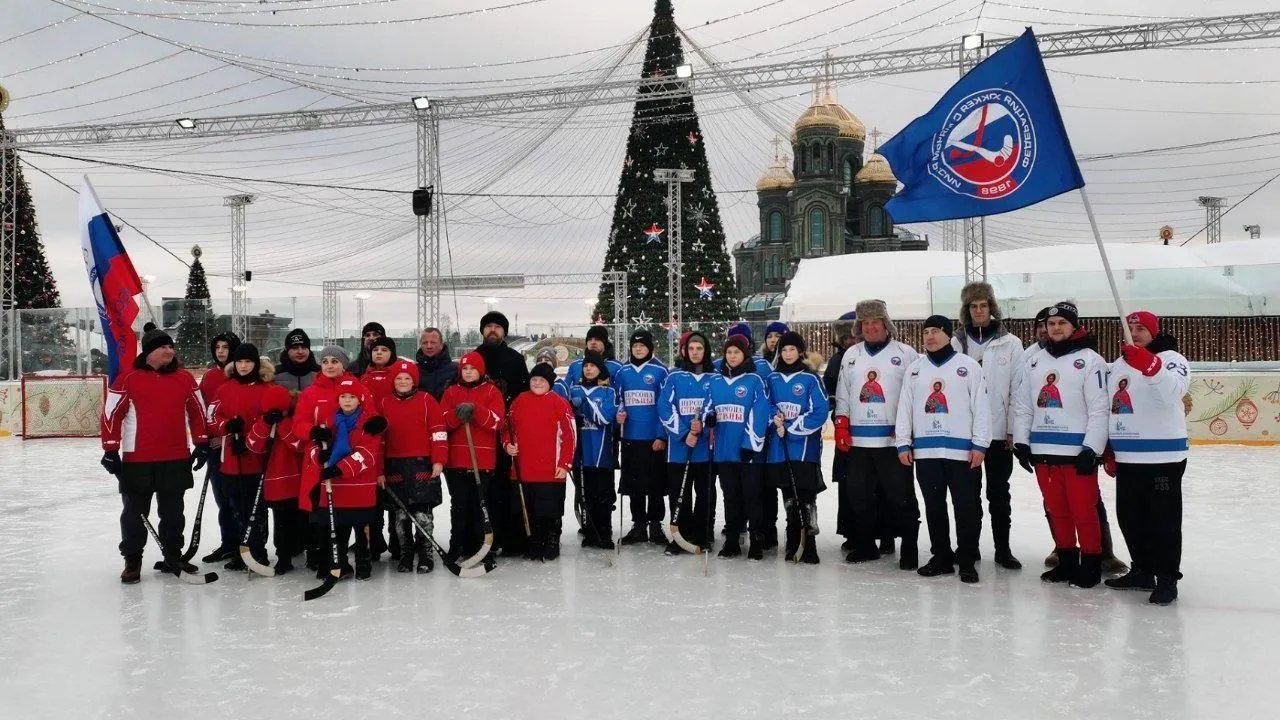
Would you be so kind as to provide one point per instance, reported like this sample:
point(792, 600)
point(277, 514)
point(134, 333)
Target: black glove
point(746, 455)
point(238, 445)
point(465, 411)
point(1087, 461)
point(273, 417)
point(1023, 453)
point(321, 434)
point(331, 473)
point(323, 455)
point(375, 425)
point(235, 425)
point(111, 462)
point(709, 421)
point(199, 456)
point(314, 494)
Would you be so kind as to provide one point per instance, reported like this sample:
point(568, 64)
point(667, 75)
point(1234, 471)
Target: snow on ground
point(648, 637)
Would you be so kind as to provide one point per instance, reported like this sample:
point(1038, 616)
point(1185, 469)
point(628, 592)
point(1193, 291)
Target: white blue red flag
point(994, 143)
point(115, 284)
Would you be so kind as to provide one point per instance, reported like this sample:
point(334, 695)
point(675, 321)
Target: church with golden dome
point(826, 200)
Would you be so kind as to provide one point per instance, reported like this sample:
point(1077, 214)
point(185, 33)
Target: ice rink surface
point(649, 637)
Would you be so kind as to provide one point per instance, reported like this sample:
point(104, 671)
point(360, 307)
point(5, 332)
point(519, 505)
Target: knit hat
point(154, 339)
point(1043, 315)
point(373, 327)
point(742, 329)
point(337, 353)
point(942, 322)
point(974, 292)
point(644, 337)
point(597, 359)
point(351, 386)
point(547, 355)
point(1146, 319)
point(386, 342)
point(276, 397)
point(739, 342)
point(873, 310)
point(544, 371)
point(777, 326)
point(493, 317)
point(297, 337)
point(1066, 310)
point(472, 360)
point(689, 337)
point(793, 339)
point(407, 367)
point(247, 351)
point(598, 332)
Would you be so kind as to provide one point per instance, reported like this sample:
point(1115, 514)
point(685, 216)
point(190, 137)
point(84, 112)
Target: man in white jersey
point(943, 426)
point(871, 377)
point(983, 338)
point(1148, 435)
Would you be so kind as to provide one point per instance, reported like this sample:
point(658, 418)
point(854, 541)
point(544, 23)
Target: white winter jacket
point(1000, 357)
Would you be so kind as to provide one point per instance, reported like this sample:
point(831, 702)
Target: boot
point(377, 545)
point(863, 552)
point(886, 546)
point(968, 572)
point(606, 540)
point(132, 572)
point(217, 556)
point(1135, 579)
point(537, 542)
point(1089, 574)
point(313, 558)
point(1051, 560)
point(657, 535)
point(284, 564)
point(1166, 591)
point(1068, 564)
point(758, 542)
point(406, 560)
point(769, 538)
point(364, 557)
point(810, 554)
point(732, 548)
point(1006, 560)
point(551, 538)
point(638, 534)
point(848, 545)
point(1112, 565)
point(793, 533)
point(935, 567)
point(235, 564)
point(909, 559)
point(426, 560)
point(673, 549)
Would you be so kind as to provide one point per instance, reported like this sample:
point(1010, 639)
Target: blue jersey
point(684, 397)
point(804, 406)
point(638, 388)
point(595, 409)
point(741, 407)
point(573, 376)
point(762, 366)
point(561, 388)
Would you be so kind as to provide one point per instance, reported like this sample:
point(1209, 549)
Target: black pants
point(768, 506)
point(998, 467)
point(226, 516)
point(743, 488)
point(289, 531)
point(598, 500)
point(133, 533)
point(844, 494)
point(504, 509)
point(697, 514)
point(877, 472)
point(466, 522)
point(242, 490)
point(1149, 510)
point(936, 477)
point(644, 480)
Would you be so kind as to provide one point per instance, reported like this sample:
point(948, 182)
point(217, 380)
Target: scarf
point(343, 424)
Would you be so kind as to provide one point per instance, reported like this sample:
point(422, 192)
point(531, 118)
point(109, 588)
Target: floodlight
point(973, 42)
point(186, 123)
point(684, 71)
point(422, 102)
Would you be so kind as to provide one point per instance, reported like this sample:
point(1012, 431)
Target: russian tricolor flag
point(116, 285)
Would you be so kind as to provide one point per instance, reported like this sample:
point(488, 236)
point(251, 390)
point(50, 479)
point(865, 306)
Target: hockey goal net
point(62, 405)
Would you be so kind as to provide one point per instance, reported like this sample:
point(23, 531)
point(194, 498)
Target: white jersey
point(944, 412)
point(1147, 422)
point(999, 357)
point(868, 391)
point(1062, 404)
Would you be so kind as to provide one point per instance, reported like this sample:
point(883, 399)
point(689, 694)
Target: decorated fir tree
point(196, 323)
point(665, 133)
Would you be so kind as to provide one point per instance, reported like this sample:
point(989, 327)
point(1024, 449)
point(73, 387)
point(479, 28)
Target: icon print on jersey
point(1049, 396)
point(1121, 403)
point(936, 403)
point(871, 391)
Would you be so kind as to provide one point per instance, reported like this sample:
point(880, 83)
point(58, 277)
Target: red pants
point(1072, 502)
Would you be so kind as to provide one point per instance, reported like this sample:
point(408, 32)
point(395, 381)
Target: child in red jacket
point(236, 408)
point(473, 402)
point(283, 471)
point(540, 440)
point(416, 449)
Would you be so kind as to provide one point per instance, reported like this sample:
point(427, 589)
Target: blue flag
point(994, 143)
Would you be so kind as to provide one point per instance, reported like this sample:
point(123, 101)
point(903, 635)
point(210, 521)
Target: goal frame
point(22, 400)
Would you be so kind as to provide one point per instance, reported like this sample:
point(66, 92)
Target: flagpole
point(1106, 265)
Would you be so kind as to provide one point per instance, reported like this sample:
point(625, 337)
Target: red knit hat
point(407, 367)
point(1146, 319)
point(740, 342)
point(474, 360)
point(276, 398)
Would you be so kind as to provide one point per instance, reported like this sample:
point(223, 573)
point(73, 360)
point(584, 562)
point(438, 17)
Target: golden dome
point(777, 177)
point(876, 170)
point(827, 113)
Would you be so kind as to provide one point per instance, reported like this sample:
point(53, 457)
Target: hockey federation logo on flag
point(986, 148)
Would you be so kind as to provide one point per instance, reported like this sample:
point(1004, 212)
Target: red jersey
point(147, 415)
point(237, 400)
point(357, 487)
point(415, 427)
point(542, 426)
point(212, 379)
point(485, 423)
point(380, 381)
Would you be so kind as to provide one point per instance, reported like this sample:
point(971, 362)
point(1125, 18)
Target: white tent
point(1241, 278)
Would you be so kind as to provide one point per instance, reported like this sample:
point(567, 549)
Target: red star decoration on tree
point(704, 289)
point(654, 232)
point(693, 138)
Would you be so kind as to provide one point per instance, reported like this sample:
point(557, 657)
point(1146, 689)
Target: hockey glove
point(844, 440)
point(465, 411)
point(234, 426)
point(273, 417)
point(1023, 453)
point(746, 455)
point(111, 462)
point(1141, 359)
point(238, 445)
point(330, 473)
point(710, 421)
point(1086, 461)
point(1109, 461)
point(375, 425)
point(199, 456)
point(321, 434)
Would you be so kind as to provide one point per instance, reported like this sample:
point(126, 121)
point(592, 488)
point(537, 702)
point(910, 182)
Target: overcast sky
point(212, 57)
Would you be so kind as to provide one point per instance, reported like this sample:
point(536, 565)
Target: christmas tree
point(196, 324)
point(44, 336)
point(665, 133)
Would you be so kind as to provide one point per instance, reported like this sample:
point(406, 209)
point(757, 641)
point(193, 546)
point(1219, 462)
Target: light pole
point(360, 298)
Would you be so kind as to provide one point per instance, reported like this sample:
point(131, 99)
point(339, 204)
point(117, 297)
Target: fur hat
point(973, 292)
point(266, 370)
point(276, 397)
point(873, 310)
point(495, 318)
point(843, 327)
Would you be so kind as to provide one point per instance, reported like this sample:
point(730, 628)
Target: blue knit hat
point(777, 326)
point(742, 329)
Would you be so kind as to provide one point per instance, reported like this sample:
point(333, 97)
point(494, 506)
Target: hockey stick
point(175, 565)
point(676, 537)
point(194, 547)
point(515, 465)
point(245, 555)
point(795, 498)
point(486, 524)
point(460, 571)
point(335, 572)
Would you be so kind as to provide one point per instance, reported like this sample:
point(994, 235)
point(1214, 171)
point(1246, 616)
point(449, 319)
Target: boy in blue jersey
point(597, 342)
point(759, 365)
point(800, 409)
point(644, 472)
point(681, 409)
point(593, 405)
point(738, 408)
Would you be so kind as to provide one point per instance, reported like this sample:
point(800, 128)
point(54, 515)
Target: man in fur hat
point(982, 338)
